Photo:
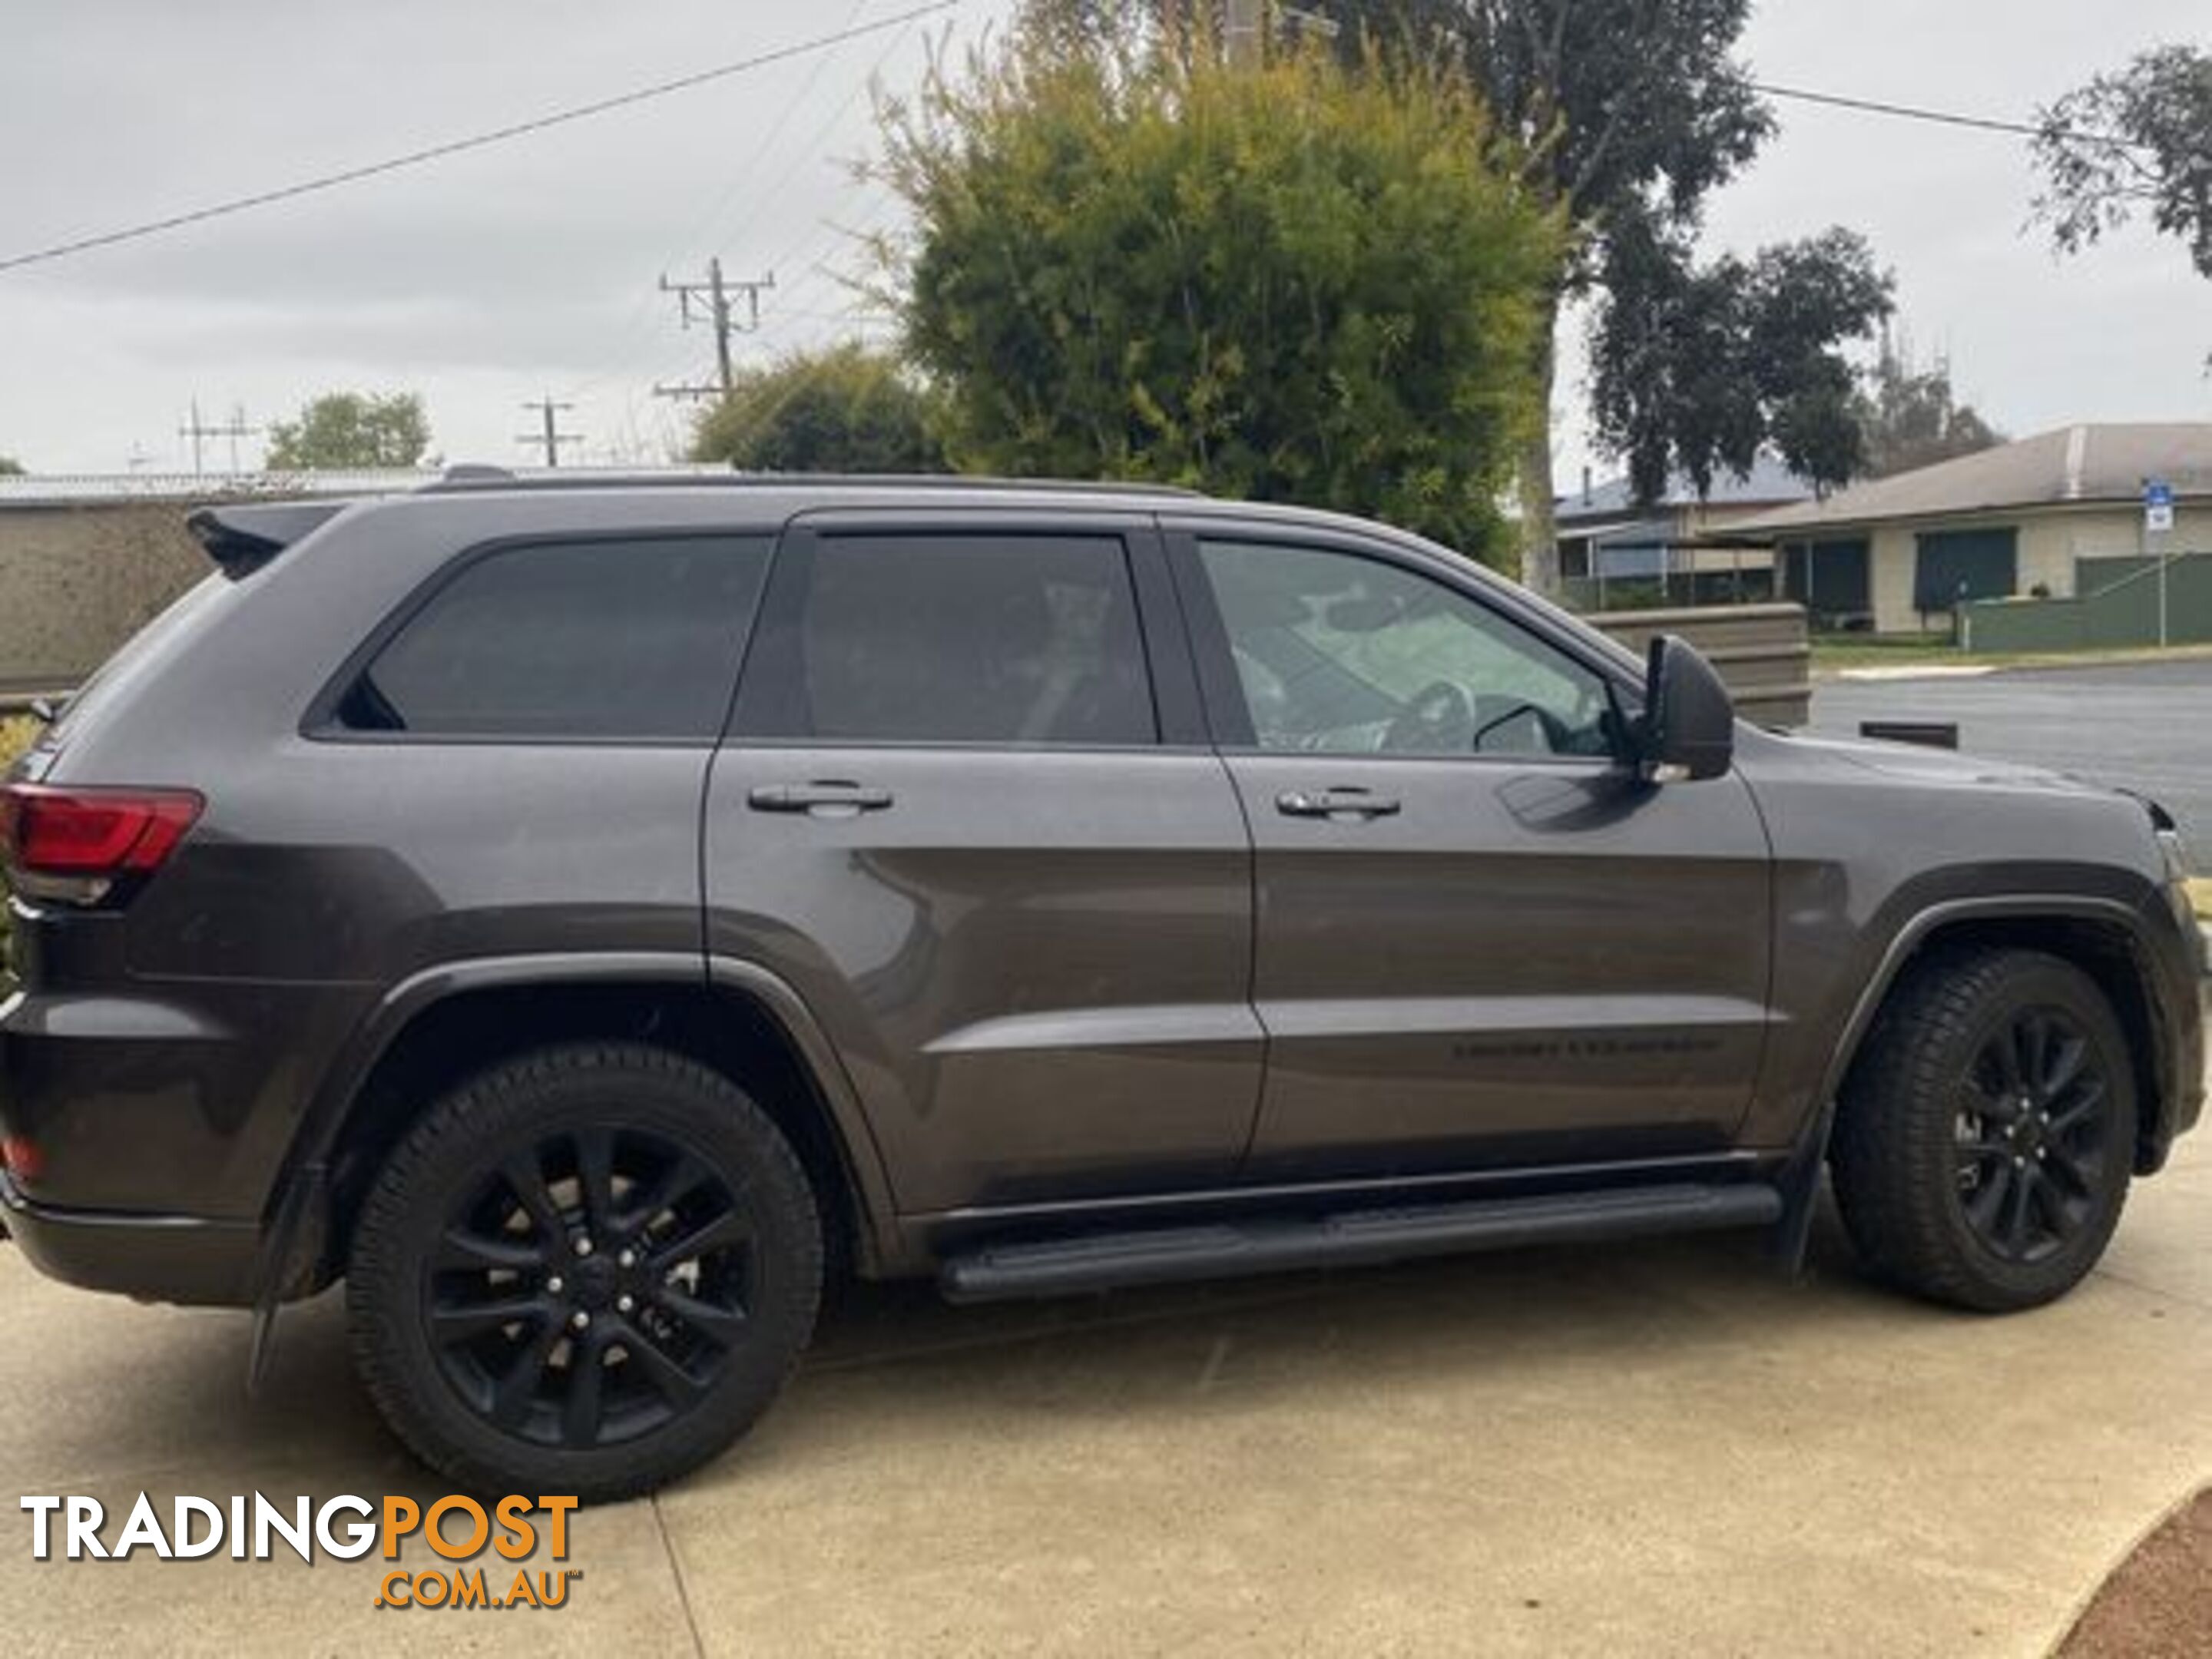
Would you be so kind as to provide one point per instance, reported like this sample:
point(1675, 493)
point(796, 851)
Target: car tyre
point(585, 1272)
point(1985, 1136)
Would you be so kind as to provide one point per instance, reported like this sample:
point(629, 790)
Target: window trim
point(319, 723)
point(1228, 714)
point(1177, 721)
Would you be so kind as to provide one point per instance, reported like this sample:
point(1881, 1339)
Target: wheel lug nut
point(624, 1303)
point(580, 1320)
point(627, 1259)
point(583, 1247)
point(554, 1285)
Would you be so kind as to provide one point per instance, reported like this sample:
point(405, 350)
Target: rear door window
point(1018, 639)
point(632, 639)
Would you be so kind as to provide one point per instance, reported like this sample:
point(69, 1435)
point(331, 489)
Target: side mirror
point(1689, 721)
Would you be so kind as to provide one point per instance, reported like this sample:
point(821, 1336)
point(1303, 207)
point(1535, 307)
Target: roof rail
point(462, 479)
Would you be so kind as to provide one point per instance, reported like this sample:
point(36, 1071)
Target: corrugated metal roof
point(1768, 481)
point(75, 489)
point(1635, 532)
point(2089, 463)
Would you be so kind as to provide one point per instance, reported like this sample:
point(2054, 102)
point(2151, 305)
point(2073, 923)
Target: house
point(1679, 545)
point(2058, 514)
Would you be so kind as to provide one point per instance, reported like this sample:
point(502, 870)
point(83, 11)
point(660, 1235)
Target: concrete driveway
point(1654, 1450)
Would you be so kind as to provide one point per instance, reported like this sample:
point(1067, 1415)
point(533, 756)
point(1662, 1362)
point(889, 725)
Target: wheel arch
point(446, 1023)
point(2103, 938)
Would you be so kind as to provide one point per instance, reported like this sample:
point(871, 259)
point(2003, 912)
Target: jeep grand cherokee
point(584, 915)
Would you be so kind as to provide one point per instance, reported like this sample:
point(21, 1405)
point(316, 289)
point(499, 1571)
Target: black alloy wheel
point(592, 1287)
point(585, 1271)
point(2034, 1130)
point(1985, 1133)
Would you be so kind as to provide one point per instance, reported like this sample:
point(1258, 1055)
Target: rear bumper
point(154, 1258)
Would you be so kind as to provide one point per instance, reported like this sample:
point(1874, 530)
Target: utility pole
point(1245, 35)
point(194, 430)
point(234, 429)
point(714, 298)
point(549, 433)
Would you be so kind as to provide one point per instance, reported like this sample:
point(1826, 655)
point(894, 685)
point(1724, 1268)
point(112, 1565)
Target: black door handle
point(824, 798)
point(1334, 804)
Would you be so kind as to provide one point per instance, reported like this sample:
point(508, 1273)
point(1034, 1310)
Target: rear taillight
point(75, 844)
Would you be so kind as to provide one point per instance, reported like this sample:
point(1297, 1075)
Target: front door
point(966, 808)
point(1481, 939)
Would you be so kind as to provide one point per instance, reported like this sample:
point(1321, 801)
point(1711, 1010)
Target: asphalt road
point(2145, 726)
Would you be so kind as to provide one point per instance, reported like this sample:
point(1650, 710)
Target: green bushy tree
point(849, 409)
point(1627, 114)
point(1303, 283)
point(343, 429)
point(1710, 363)
point(2135, 140)
point(1911, 418)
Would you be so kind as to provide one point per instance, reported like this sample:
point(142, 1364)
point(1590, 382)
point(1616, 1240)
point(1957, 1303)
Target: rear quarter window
point(637, 638)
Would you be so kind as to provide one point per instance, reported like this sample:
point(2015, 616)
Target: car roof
point(491, 480)
point(779, 494)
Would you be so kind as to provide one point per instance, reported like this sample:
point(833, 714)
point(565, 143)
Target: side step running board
point(1167, 1255)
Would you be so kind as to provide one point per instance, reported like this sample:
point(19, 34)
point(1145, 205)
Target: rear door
point(1481, 939)
point(966, 808)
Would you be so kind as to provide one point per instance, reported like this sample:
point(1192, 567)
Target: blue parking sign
point(2157, 505)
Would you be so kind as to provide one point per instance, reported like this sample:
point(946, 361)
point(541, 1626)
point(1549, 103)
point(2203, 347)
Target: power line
point(1939, 117)
point(811, 151)
point(457, 146)
point(758, 154)
point(698, 225)
point(773, 192)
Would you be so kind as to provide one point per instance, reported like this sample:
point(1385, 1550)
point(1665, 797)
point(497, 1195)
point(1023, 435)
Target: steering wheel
point(1439, 720)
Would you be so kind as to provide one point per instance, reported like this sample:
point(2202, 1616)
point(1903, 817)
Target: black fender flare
point(295, 1214)
point(2031, 907)
point(1801, 1182)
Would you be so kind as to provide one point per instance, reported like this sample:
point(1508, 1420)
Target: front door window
point(1339, 654)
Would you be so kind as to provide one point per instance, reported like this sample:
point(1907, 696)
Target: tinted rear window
point(635, 638)
point(1000, 639)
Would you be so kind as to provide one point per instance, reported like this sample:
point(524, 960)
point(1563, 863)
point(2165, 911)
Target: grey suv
point(586, 917)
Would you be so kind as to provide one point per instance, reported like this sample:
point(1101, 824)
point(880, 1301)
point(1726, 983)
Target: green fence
point(2117, 604)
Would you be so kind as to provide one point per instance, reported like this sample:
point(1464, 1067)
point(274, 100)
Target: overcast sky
point(496, 276)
